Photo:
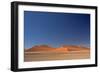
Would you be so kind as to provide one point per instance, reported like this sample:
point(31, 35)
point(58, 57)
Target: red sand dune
point(45, 48)
point(64, 48)
point(75, 48)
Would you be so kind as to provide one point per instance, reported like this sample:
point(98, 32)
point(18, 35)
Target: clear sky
point(56, 29)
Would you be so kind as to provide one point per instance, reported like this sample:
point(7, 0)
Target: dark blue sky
point(56, 29)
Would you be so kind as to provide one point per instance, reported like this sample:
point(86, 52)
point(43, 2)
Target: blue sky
point(56, 29)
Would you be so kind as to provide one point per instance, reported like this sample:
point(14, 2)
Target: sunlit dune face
point(62, 49)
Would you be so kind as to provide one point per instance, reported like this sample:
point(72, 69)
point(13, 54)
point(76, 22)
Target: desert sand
point(47, 53)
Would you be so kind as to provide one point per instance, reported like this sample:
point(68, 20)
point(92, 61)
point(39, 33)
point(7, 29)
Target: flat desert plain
point(47, 53)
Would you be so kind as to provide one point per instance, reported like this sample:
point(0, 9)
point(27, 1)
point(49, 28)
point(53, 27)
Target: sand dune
point(45, 48)
point(65, 52)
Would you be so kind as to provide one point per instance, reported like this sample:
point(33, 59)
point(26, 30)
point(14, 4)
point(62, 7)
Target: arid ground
point(47, 53)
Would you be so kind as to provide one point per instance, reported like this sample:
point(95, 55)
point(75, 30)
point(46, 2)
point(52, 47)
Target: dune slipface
point(65, 52)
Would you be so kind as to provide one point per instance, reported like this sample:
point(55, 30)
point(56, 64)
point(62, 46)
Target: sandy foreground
point(47, 56)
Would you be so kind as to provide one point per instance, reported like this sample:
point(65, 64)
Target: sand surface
point(65, 53)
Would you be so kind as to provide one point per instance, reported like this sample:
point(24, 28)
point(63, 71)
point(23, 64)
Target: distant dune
point(64, 48)
point(75, 48)
point(47, 53)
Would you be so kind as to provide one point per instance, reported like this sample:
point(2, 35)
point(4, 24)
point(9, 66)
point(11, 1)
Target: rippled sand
point(47, 56)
